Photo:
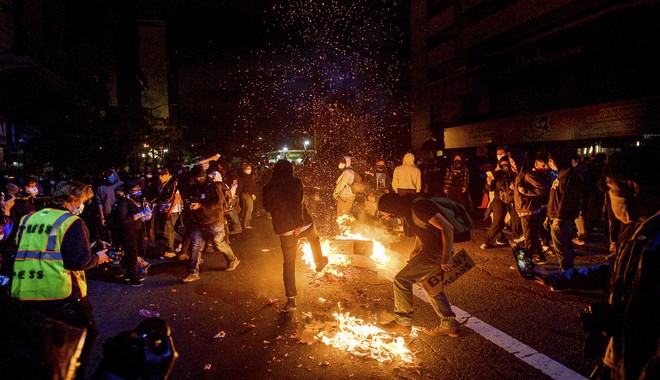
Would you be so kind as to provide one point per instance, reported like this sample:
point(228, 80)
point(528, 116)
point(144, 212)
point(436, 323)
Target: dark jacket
point(246, 184)
point(284, 200)
point(501, 186)
point(565, 195)
point(212, 199)
point(534, 196)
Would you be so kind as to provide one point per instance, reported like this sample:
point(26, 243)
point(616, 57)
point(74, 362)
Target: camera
point(146, 352)
point(115, 255)
point(597, 323)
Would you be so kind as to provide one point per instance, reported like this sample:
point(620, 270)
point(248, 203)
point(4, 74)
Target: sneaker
point(395, 327)
point(578, 241)
point(184, 256)
point(235, 232)
point(178, 248)
point(290, 303)
point(519, 241)
point(486, 246)
point(500, 243)
point(453, 332)
point(538, 259)
point(324, 263)
point(135, 283)
point(191, 277)
point(168, 255)
point(248, 227)
point(232, 265)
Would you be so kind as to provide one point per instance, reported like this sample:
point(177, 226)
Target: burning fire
point(353, 334)
point(366, 340)
point(345, 223)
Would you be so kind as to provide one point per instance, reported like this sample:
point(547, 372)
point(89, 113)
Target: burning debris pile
point(366, 340)
point(347, 332)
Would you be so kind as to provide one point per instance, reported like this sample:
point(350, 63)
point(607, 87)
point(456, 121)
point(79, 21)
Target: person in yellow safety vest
point(53, 254)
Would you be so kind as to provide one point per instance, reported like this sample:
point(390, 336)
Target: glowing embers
point(362, 339)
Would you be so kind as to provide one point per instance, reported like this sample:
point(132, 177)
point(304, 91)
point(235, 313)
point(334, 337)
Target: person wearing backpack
point(434, 245)
point(343, 193)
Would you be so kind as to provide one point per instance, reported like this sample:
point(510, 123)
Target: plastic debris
point(265, 250)
point(324, 364)
point(271, 301)
point(148, 313)
point(219, 335)
point(207, 367)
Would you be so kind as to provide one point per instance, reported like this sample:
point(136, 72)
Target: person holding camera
point(206, 208)
point(624, 329)
point(53, 254)
point(127, 222)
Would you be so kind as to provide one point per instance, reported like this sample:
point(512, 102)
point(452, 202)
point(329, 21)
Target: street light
point(305, 143)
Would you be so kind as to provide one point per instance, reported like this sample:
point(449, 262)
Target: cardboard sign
point(435, 283)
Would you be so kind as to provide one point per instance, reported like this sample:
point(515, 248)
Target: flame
point(366, 340)
point(334, 259)
point(345, 223)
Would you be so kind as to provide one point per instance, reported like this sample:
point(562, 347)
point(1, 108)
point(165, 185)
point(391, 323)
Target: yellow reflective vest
point(39, 273)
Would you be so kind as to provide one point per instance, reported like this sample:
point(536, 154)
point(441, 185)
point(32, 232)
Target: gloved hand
point(143, 215)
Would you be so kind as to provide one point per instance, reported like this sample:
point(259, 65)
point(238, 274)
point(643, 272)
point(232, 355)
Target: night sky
point(248, 70)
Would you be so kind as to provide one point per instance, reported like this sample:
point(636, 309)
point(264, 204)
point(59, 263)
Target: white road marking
point(527, 354)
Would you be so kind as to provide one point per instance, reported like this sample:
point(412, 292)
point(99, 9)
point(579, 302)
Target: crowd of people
point(543, 202)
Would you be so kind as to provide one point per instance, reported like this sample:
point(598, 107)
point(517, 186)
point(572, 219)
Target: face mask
point(499, 157)
point(620, 208)
point(111, 178)
point(32, 191)
point(248, 171)
point(342, 166)
point(149, 175)
point(78, 210)
point(136, 194)
point(380, 168)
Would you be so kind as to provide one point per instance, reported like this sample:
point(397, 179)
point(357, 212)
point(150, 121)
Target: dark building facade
point(582, 74)
point(76, 69)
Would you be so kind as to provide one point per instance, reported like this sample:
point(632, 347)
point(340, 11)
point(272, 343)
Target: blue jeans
point(290, 248)
point(198, 236)
point(419, 267)
point(562, 242)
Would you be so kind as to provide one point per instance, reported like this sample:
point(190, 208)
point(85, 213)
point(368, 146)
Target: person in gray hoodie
point(343, 193)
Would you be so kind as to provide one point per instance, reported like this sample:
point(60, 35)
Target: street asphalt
point(230, 325)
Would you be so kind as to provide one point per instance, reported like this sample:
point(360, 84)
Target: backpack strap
point(418, 222)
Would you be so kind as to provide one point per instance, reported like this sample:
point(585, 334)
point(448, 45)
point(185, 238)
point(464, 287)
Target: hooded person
point(407, 177)
point(457, 182)
point(283, 199)
point(343, 193)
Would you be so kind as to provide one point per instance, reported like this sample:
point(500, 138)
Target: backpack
point(455, 213)
point(358, 187)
